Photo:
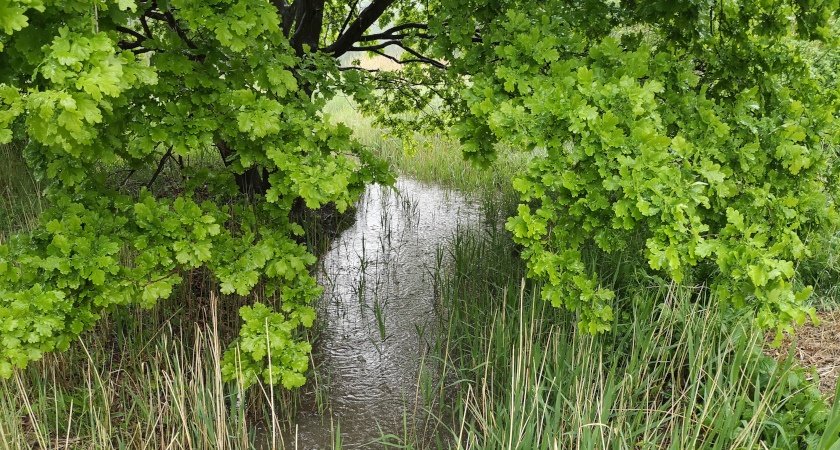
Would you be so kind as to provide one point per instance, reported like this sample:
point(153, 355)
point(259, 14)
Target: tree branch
point(155, 15)
point(160, 167)
point(377, 48)
point(145, 25)
point(381, 36)
point(419, 58)
point(390, 33)
point(309, 20)
point(170, 19)
point(286, 12)
point(281, 6)
point(370, 48)
point(140, 38)
point(349, 16)
point(360, 69)
point(355, 31)
point(129, 45)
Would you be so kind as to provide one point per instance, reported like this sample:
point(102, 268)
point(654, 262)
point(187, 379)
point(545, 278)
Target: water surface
point(378, 313)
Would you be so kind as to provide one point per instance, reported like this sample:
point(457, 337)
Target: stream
point(378, 314)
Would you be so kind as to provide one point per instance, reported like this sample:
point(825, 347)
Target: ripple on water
point(377, 281)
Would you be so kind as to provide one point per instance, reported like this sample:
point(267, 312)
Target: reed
point(431, 158)
point(675, 372)
point(143, 388)
point(504, 370)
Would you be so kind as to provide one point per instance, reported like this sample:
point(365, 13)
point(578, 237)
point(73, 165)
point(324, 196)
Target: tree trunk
point(309, 20)
point(254, 181)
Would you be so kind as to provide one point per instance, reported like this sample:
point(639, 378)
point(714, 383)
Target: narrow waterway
point(379, 313)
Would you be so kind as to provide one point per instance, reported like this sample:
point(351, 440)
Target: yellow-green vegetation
point(146, 379)
point(675, 175)
point(676, 371)
point(432, 158)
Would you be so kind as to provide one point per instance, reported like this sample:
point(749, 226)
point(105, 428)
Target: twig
point(160, 167)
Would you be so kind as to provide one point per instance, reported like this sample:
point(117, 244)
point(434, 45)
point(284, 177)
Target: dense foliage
point(699, 124)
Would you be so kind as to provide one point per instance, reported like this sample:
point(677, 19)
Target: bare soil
point(817, 347)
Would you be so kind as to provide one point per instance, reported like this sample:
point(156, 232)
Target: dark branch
point(349, 17)
point(146, 28)
point(355, 31)
point(125, 45)
point(360, 69)
point(225, 152)
point(286, 12)
point(391, 32)
point(370, 48)
point(155, 15)
point(162, 162)
point(281, 6)
point(140, 38)
point(127, 177)
point(309, 20)
point(422, 58)
point(419, 58)
point(131, 45)
point(381, 37)
point(378, 47)
point(170, 19)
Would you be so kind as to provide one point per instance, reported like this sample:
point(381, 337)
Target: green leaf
point(12, 17)
point(758, 275)
point(127, 5)
point(292, 379)
point(97, 277)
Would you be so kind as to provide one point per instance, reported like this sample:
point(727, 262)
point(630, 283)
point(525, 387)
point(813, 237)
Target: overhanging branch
point(391, 33)
point(418, 57)
point(348, 18)
point(356, 29)
point(131, 45)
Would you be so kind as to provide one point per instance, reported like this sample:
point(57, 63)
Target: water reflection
point(379, 310)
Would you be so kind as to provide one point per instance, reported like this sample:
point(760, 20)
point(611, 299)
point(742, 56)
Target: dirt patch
point(817, 347)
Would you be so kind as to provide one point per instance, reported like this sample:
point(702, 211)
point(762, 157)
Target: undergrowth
point(509, 370)
point(675, 372)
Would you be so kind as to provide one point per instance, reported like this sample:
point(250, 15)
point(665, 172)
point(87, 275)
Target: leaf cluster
point(700, 125)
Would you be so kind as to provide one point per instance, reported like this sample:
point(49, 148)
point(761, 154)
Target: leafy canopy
point(705, 126)
point(702, 125)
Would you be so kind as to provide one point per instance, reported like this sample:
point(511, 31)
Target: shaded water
point(378, 312)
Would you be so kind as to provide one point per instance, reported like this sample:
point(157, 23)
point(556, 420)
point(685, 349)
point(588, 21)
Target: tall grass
point(125, 387)
point(433, 158)
point(822, 270)
point(675, 372)
point(21, 201)
point(505, 371)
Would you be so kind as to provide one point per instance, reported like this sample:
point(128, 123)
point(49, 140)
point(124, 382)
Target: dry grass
point(816, 346)
point(379, 63)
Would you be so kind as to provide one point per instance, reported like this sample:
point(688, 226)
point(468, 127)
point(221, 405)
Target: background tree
point(697, 124)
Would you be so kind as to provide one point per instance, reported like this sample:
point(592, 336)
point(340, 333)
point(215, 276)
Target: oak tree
point(704, 126)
